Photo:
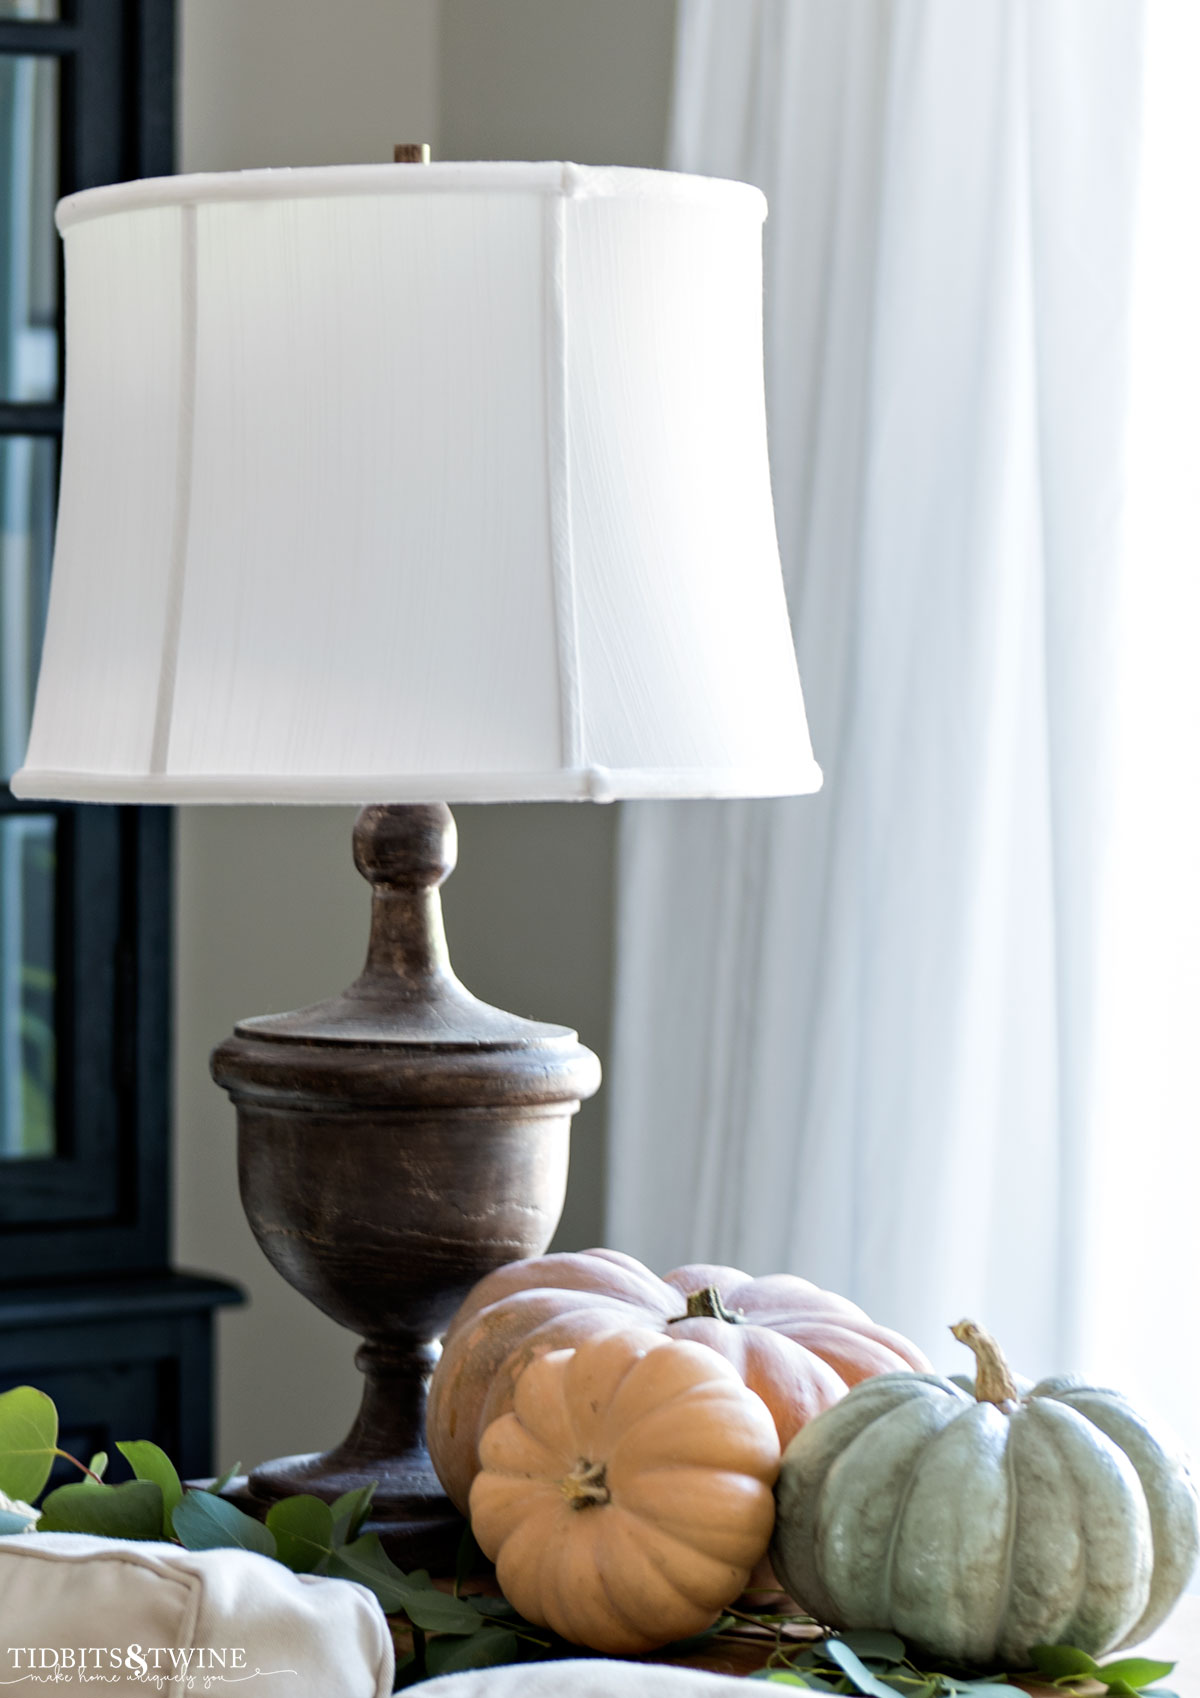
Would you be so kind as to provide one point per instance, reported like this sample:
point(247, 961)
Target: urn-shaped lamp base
point(395, 1144)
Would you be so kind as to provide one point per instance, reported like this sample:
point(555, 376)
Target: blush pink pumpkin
point(798, 1347)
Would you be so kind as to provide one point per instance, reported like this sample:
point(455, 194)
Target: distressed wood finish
point(396, 1143)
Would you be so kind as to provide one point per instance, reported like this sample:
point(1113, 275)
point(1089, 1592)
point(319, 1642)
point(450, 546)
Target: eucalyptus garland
point(438, 1632)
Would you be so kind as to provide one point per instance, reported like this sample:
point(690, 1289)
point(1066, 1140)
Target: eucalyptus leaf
point(1064, 1662)
point(438, 1612)
point(779, 1677)
point(222, 1480)
point(98, 1464)
point(481, 1651)
point(28, 1442)
point(367, 1562)
point(131, 1511)
point(150, 1463)
point(207, 1523)
point(349, 1512)
point(499, 1609)
point(886, 1647)
point(1135, 1672)
point(972, 1688)
point(302, 1527)
point(851, 1664)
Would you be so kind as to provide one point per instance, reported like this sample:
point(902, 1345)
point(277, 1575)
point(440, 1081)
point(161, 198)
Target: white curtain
point(1143, 1250)
point(855, 1034)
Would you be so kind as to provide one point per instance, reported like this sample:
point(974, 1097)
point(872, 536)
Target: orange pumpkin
point(798, 1347)
point(628, 1493)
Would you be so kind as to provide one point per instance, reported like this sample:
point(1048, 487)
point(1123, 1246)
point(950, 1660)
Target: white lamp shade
point(412, 483)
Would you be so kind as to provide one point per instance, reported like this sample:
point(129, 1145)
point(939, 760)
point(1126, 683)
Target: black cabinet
point(122, 1358)
point(90, 1309)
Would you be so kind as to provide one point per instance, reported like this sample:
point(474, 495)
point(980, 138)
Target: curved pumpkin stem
point(993, 1376)
point(585, 1485)
point(707, 1304)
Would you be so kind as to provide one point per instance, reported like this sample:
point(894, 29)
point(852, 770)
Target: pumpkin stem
point(707, 1305)
point(993, 1376)
point(585, 1485)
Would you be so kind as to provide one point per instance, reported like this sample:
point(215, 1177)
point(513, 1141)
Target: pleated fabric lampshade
point(410, 484)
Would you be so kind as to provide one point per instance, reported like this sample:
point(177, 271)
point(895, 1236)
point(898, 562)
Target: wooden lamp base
point(395, 1144)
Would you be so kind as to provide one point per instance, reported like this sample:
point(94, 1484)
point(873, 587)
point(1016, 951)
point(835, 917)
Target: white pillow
point(136, 1610)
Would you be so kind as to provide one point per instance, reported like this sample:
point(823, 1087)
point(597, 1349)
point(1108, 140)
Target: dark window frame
point(101, 1202)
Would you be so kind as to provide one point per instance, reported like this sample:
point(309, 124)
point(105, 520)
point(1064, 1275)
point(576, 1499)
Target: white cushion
point(124, 1607)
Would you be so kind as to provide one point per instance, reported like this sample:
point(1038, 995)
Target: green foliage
point(481, 1651)
point(1064, 1662)
point(438, 1612)
point(1064, 1665)
point(877, 1665)
point(449, 1630)
point(1134, 1674)
point(349, 1512)
point(222, 1480)
point(150, 1463)
point(131, 1511)
point(28, 1442)
point(366, 1561)
point(303, 1531)
point(851, 1664)
point(207, 1523)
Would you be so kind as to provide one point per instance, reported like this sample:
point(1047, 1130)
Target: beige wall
point(586, 80)
point(304, 82)
point(270, 912)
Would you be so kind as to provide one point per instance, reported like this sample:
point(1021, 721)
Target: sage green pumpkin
point(978, 1526)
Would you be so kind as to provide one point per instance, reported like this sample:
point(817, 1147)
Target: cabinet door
point(86, 97)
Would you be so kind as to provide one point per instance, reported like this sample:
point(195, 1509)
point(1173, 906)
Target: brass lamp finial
point(411, 153)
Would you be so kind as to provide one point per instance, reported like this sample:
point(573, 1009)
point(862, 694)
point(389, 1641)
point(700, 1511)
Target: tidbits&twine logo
point(159, 1667)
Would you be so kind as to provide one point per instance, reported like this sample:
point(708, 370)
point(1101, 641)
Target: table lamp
point(407, 485)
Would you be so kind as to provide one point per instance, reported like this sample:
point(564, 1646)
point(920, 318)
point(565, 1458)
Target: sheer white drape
point(1143, 1250)
point(854, 1034)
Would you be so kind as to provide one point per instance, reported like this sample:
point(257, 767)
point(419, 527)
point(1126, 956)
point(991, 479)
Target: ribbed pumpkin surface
point(627, 1494)
point(796, 1346)
point(977, 1530)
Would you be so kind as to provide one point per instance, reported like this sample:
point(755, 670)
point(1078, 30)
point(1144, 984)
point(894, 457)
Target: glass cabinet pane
point(29, 270)
point(27, 500)
point(27, 1048)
